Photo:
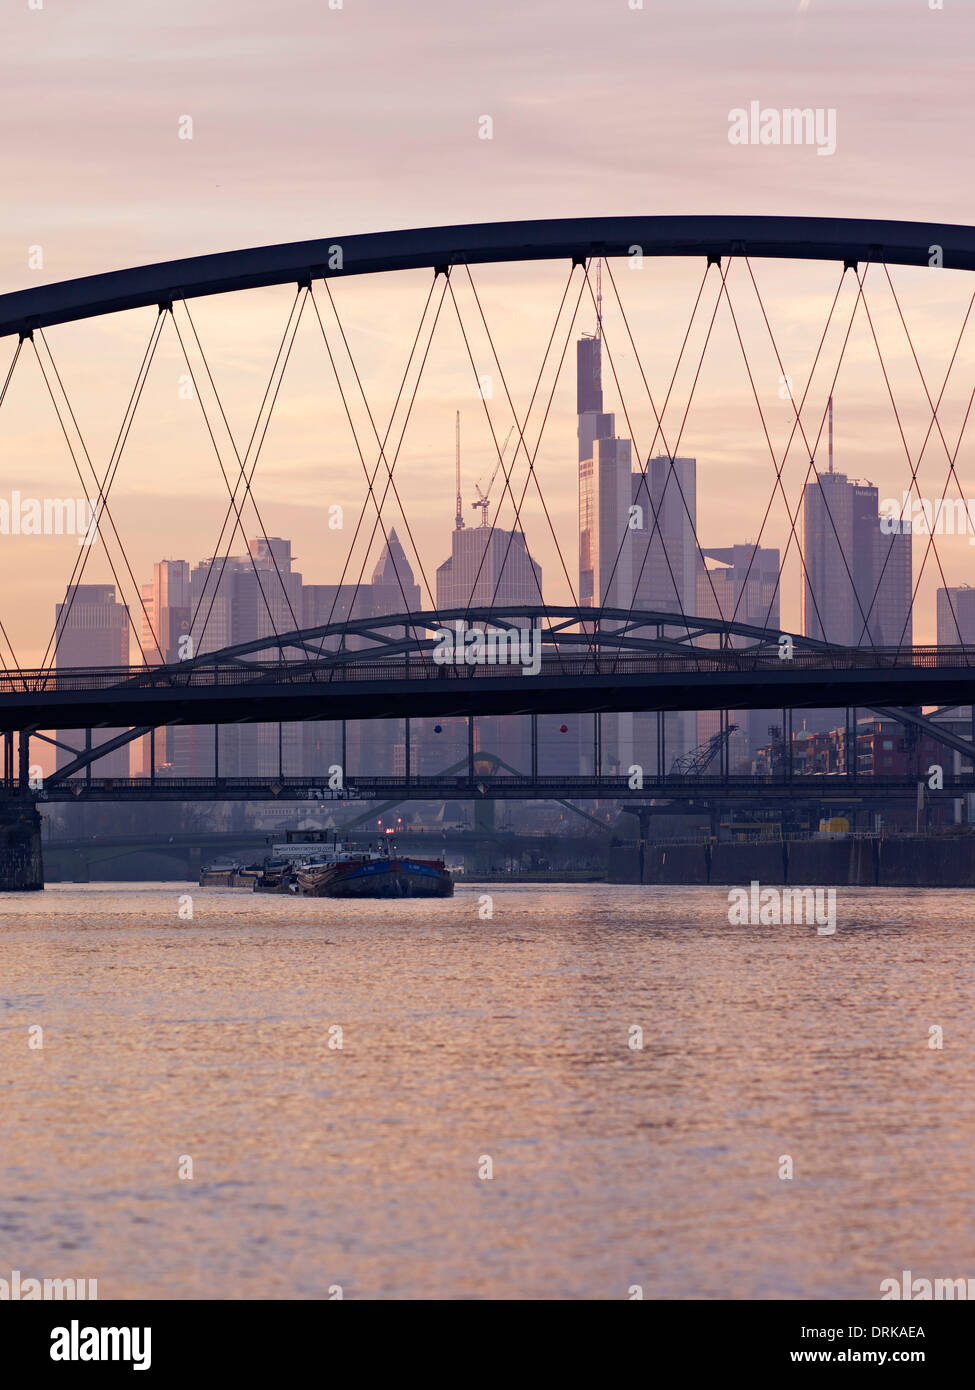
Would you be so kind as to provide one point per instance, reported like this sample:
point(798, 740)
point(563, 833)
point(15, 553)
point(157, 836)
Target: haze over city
point(266, 164)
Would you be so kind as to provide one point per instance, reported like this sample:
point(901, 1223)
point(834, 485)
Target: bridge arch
point(850, 240)
point(606, 631)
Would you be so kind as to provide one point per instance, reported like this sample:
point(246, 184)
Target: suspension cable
point(913, 467)
point(644, 487)
point(103, 488)
point(232, 491)
point(371, 478)
point(507, 472)
point(379, 440)
point(935, 407)
point(390, 468)
point(659, 431)
point(811, 468)
point(3, 393)
point(810, 452)
point(281, 359)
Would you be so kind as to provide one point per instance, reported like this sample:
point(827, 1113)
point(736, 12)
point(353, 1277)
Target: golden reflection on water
point(315, 1166)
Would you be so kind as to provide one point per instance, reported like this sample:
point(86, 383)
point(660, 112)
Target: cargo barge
point(311, 865)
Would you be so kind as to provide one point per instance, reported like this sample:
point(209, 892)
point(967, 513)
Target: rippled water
point(466, 1037)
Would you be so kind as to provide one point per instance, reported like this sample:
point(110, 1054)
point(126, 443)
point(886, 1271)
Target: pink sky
point(313, 122)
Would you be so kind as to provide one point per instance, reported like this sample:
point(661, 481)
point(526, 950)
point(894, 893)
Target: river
point(282, 1097)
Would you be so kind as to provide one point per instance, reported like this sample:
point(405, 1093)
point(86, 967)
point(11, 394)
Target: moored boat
point(277, 876)
point(224, 873)
point(385, 876)
point(317, 864)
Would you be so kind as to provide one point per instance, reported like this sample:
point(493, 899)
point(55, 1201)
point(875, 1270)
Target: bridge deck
point(417, 687)
point(831, 788)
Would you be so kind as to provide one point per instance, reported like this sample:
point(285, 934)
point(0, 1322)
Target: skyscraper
point(605, 545)
point(665, 565)
point(393, 582)
point(605, 464)
point(856, 587)
point(235, 599)
point(637, 549)
point(742, 585)
point(746, 586)
point(665, 552)
point(856, 583)
point(487, 566)
point(593, 422)
point(166, 618)
point(92, 630)
point(956, 616)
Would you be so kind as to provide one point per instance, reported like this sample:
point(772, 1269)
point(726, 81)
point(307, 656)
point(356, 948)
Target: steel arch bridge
point(589, 661)
point(612, 661)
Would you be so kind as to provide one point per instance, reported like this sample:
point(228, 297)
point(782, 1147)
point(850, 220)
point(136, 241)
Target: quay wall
point(926, 861)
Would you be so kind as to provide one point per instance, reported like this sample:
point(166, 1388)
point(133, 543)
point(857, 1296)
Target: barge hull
point(385, 880)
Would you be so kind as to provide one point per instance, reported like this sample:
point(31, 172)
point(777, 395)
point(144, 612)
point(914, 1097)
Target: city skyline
point(826, 534)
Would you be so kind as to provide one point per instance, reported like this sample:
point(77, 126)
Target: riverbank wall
point(923, 861)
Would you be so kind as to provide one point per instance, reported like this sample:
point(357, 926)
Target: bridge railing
point(356, 785)
point(422, 668)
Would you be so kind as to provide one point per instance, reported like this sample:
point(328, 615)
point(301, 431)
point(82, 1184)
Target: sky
point(314, 121)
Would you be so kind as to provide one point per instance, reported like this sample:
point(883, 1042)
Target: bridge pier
point(21, 861)
point(484, 828)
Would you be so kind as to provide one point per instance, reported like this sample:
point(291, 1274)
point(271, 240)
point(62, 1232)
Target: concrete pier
point(21, 862)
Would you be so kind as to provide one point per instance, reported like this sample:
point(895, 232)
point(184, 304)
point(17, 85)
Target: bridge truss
point(594, 660)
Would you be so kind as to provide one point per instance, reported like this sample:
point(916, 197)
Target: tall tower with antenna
point(599, 298)
point(459, 518)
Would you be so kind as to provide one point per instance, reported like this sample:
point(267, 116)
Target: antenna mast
point(599, 298)
point(459, 518)
point(831, 434)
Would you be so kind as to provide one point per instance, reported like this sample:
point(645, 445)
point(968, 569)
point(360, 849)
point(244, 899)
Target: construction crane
point(700, 759)
point(484, 498)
